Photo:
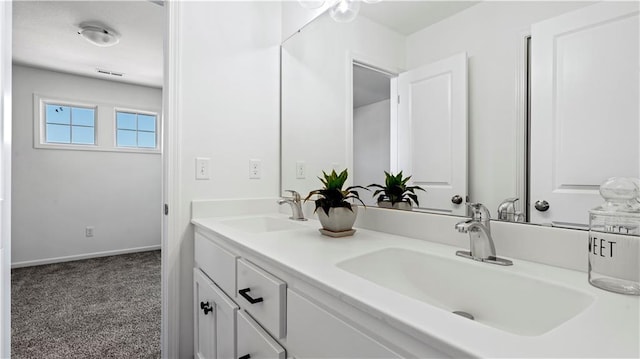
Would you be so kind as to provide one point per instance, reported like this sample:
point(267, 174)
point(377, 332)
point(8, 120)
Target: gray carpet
point(96, 308)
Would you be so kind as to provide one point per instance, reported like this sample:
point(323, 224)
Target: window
point(66, 124)
point(135, 129)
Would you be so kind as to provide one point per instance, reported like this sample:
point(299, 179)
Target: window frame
point(137, 112)
point(105, 139)
point(40, 123)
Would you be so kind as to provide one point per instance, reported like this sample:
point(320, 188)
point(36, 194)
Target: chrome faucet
point(507, 211)
point(481, 245)
point(296, 205)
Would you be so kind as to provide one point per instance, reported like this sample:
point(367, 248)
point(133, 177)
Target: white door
point(215, 320)
point(432, 132)
point(5, 179)
point(204, 317)
point(584, 109)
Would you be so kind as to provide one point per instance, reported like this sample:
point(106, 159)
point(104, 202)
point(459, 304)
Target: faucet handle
point(295, 195)
point(511, 200)
point(479, 211)
point(507, 211)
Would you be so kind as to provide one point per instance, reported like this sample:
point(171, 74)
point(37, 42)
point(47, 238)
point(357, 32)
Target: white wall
point(491, 34)
point(317, 96)
point(295, 17)
point(228, 110)
point(57, 193)
point(371, 136)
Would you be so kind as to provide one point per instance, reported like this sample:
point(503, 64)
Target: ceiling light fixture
point(99, 35)
point(345, 10)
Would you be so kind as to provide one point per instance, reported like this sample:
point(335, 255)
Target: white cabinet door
point(254, 342)
point(316, 333)
point(432, 132)
point(584, 108)
point(215, 320)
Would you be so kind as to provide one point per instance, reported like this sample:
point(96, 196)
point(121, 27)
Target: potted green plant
point(337, 215)
point(395, 193)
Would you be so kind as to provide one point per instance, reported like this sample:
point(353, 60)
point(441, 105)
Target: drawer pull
point(243, 293)
point(206, 307)
point(245, 356)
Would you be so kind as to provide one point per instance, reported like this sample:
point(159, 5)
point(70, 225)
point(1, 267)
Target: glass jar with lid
point(614, 238)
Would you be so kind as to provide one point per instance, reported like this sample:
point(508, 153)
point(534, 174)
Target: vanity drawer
point(254, 342)
point(263, 296)
point(216, 262)
point(314, 332)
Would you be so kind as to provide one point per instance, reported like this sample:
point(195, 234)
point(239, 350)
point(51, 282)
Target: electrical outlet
point(88, 231)
point(203, 166)
point(301, 170)
point(255, 169)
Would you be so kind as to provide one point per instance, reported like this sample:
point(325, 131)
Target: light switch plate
point(203, 167)
point(255, 169)
point(301, 170)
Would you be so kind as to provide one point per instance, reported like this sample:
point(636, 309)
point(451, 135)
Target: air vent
point(107, 72)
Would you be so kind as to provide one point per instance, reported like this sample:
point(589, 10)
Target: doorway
point(104, 199)
point(372, 126)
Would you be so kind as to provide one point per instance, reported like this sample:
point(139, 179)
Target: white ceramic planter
point(340, 219)
point(404, 205)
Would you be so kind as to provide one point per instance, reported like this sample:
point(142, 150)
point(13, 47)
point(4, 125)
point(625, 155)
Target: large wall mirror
point(483, 101)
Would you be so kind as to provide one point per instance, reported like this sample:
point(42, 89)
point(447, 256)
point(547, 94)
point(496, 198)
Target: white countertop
point(609, 327)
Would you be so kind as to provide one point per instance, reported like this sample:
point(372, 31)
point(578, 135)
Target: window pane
point(126, 121)
point(58, 134)
point(147, 139)
point(146, 123)
point(57, 114)
point(82, 116)
point(126, 138)
point(82, 135)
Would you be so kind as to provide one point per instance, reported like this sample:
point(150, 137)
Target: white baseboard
point(38, 262)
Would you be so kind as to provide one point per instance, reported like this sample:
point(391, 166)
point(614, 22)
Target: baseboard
point(39, 262)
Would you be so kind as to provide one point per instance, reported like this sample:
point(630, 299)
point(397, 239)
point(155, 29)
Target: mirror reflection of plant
point(332, 195)
point(395, 189)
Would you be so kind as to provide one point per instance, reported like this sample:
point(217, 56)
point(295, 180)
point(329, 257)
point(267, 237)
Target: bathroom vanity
point(267, 286)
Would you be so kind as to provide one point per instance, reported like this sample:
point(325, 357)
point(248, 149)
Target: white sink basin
point(493, 295)
point(262, 224)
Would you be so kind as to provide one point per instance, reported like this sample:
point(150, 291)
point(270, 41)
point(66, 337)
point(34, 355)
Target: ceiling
point(369, 86)
point(407, 17)
point(404, 17)
point(45, 35)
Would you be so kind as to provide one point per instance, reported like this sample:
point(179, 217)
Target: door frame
point(5, 177)
point(170, 317)
point(354, 58)
point(170, 171)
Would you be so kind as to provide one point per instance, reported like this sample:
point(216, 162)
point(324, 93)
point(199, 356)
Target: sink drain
point(464, 314)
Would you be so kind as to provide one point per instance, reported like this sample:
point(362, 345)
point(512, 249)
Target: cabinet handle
point(243, 293)
point(206, 307)
point(245, 356)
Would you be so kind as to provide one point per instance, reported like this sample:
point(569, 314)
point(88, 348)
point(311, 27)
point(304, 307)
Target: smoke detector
point(99, 35)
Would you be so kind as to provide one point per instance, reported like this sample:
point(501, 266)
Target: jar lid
point(621, 194)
